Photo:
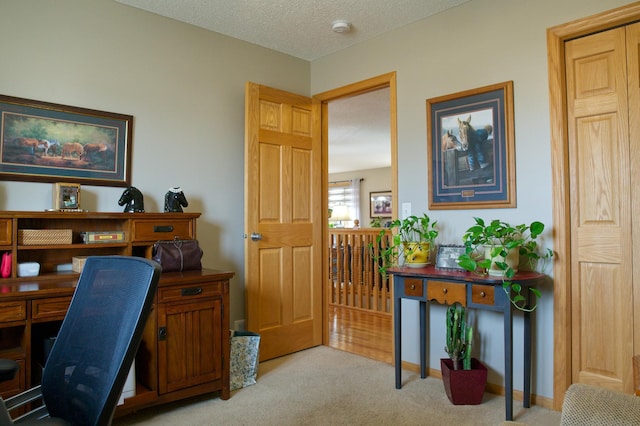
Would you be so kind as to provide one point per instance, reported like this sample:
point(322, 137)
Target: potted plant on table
point(464, 377)
point(496, 247)
point(411, 244)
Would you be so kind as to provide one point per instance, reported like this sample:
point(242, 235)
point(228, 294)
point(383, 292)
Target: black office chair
point(96, 345)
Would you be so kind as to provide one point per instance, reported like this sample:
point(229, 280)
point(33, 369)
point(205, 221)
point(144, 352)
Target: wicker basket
point(44, 236)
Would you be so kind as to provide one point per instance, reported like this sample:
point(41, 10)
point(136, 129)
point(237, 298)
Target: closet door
point(633, 71)
point(600, 206)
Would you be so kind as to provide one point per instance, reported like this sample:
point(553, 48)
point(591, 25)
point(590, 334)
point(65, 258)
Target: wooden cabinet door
point(189, 344)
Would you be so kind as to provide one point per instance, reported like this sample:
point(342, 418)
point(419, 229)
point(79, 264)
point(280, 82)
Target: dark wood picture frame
point(47, 142)
point(471, 149)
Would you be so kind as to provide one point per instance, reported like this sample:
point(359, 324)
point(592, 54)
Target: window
point(341, 194)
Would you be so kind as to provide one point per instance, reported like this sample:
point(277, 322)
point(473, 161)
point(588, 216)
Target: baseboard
point(541, 401)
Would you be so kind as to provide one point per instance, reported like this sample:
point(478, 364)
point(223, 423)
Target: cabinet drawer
point(49, 309)
point(413, 287)
point(189, 292)
point(13, 311)
point(446, 293)
point(5, 231)
point(482, 294)
point(16, 385)
point(154, 230)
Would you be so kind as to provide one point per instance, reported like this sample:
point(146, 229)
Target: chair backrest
point(99, 337)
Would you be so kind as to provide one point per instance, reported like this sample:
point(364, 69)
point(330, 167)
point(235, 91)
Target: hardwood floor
point(369, 334)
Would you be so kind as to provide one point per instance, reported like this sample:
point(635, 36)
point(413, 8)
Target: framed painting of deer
point(471, 158)
point(47, 142)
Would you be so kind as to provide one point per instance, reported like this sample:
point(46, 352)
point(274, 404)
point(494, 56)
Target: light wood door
point(600, 210)
point(283, 220)
point(633, 90)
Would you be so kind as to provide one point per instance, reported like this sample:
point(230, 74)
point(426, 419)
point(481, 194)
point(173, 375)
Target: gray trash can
point(245, 347)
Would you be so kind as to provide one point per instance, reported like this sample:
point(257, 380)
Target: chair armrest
point(590, 405)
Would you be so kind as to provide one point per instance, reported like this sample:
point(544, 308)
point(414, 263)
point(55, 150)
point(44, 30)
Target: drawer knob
point(413, 286)
point(444, 290)
point(483, 294)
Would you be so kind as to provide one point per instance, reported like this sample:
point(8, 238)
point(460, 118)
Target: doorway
point(355, 330)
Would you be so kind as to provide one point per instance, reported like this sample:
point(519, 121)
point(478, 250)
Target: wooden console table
point(473, 291)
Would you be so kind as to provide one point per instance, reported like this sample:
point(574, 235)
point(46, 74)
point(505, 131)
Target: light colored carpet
point(325, 386)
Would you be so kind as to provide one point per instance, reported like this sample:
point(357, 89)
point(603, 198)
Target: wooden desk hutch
point(185, 346)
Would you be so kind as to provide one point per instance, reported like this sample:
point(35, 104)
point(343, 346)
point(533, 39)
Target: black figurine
point(133, 199)
point(174, 200)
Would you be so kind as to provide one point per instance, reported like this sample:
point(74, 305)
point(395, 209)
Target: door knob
point(256, 236)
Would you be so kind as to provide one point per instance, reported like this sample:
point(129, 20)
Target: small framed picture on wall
point(381, 204)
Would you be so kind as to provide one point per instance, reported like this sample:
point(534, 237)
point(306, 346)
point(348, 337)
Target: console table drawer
point(413, 287)
point(482, 294)
point(13, 311)
point(154, 230)
point(49, 309)
point(447, 293)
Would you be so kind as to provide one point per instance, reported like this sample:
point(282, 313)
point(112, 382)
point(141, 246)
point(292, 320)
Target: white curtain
point(355, 197)
point(346, 193)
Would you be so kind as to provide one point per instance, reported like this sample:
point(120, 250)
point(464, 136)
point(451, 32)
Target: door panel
point(633, 90)
point(283, 204)
point(601, 244)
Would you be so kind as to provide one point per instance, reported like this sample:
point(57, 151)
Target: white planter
point(513, 260)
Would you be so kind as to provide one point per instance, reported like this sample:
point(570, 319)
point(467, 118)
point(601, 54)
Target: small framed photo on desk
point(447, 257)
point(66, 196)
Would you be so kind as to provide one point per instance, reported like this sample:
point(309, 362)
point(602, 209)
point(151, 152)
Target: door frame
point(556, 37)
point(364, 86)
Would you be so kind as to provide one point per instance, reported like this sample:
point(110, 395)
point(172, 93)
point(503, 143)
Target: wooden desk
point(473, 291)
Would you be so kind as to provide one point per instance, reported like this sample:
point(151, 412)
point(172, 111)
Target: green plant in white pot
point(497, 247)
point(411, 243)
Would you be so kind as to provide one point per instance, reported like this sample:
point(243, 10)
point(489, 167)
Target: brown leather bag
point(178, 255)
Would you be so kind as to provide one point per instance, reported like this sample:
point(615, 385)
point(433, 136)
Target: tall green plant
point(459, 337)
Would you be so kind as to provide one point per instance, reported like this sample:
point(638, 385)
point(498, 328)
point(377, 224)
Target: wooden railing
point(354, 278)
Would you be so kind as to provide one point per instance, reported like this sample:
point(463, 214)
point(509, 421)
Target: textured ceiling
point(358, 126)
point(359, 132)
point(301, 28)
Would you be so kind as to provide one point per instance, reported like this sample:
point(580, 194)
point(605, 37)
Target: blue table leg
point(508, 361)
point(423, 339)
point(397, 326)
point(527, 360)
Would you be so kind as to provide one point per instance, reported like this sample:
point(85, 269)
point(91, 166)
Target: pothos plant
point(488, 245)
point(413, 229)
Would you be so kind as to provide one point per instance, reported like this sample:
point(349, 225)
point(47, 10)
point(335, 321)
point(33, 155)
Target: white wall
point(183, 85)
point(479, 43)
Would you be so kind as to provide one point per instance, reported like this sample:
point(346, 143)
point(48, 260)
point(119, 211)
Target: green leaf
point(518, 298)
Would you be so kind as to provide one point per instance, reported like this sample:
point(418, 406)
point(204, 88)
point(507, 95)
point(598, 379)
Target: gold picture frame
point(66, 196)
point(471, 149)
